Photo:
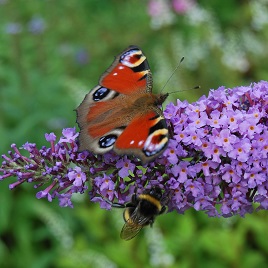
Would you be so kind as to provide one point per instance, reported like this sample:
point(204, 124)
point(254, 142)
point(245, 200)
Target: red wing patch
point(124, 80)
point(129, 73)
point(136, 133)
point(146, 137)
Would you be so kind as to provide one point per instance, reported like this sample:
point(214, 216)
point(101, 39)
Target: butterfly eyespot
point(107, 141)
point(134, 58)
point(129, 54)
point(100, 93)
point(156, 142)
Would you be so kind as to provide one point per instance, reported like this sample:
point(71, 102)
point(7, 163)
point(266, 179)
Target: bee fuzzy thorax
point(152, 200)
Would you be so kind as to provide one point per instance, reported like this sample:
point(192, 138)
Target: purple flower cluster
point(216, 160)
point(219, 151)
point(54, 166)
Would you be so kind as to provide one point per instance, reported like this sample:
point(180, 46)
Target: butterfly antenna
point(196, 87)
point(172, 74)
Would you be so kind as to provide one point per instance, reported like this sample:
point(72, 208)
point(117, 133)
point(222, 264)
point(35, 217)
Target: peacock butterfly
point(122, 113)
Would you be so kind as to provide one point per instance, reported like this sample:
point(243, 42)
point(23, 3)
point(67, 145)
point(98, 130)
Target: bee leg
point(151, 222)
point(163, 209)
point(133, 203)
point(117, 205)
point(114, 205)
point(134, 198)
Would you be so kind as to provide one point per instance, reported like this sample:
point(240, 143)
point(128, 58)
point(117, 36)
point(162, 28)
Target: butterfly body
point(122, 113)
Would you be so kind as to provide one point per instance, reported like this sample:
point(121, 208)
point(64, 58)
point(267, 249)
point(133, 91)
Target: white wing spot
point(140, 143)
point(131, 142)
point(114, 73)
point(121, 67)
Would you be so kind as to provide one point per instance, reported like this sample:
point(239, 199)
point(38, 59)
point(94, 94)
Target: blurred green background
point(52, 53)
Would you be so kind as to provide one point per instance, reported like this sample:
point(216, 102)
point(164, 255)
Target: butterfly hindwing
point(146, 136)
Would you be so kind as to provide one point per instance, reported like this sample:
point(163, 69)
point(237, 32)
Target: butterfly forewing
point(129, 73)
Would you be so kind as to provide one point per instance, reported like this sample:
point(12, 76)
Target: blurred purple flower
point(13, 28)
point(216, 159)
point(182, 6)
point(82, 56)
point(37, 25)
point(156, 7)
point(160, 13)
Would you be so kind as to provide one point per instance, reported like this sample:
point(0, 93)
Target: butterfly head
point(161, 98)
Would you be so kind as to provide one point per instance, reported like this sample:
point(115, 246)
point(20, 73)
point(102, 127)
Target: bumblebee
point(142, 211)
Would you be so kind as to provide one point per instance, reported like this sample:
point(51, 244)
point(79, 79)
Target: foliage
point(51, 53)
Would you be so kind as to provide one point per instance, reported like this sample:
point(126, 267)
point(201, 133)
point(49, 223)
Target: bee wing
point(133, 225)
point(130, 230)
